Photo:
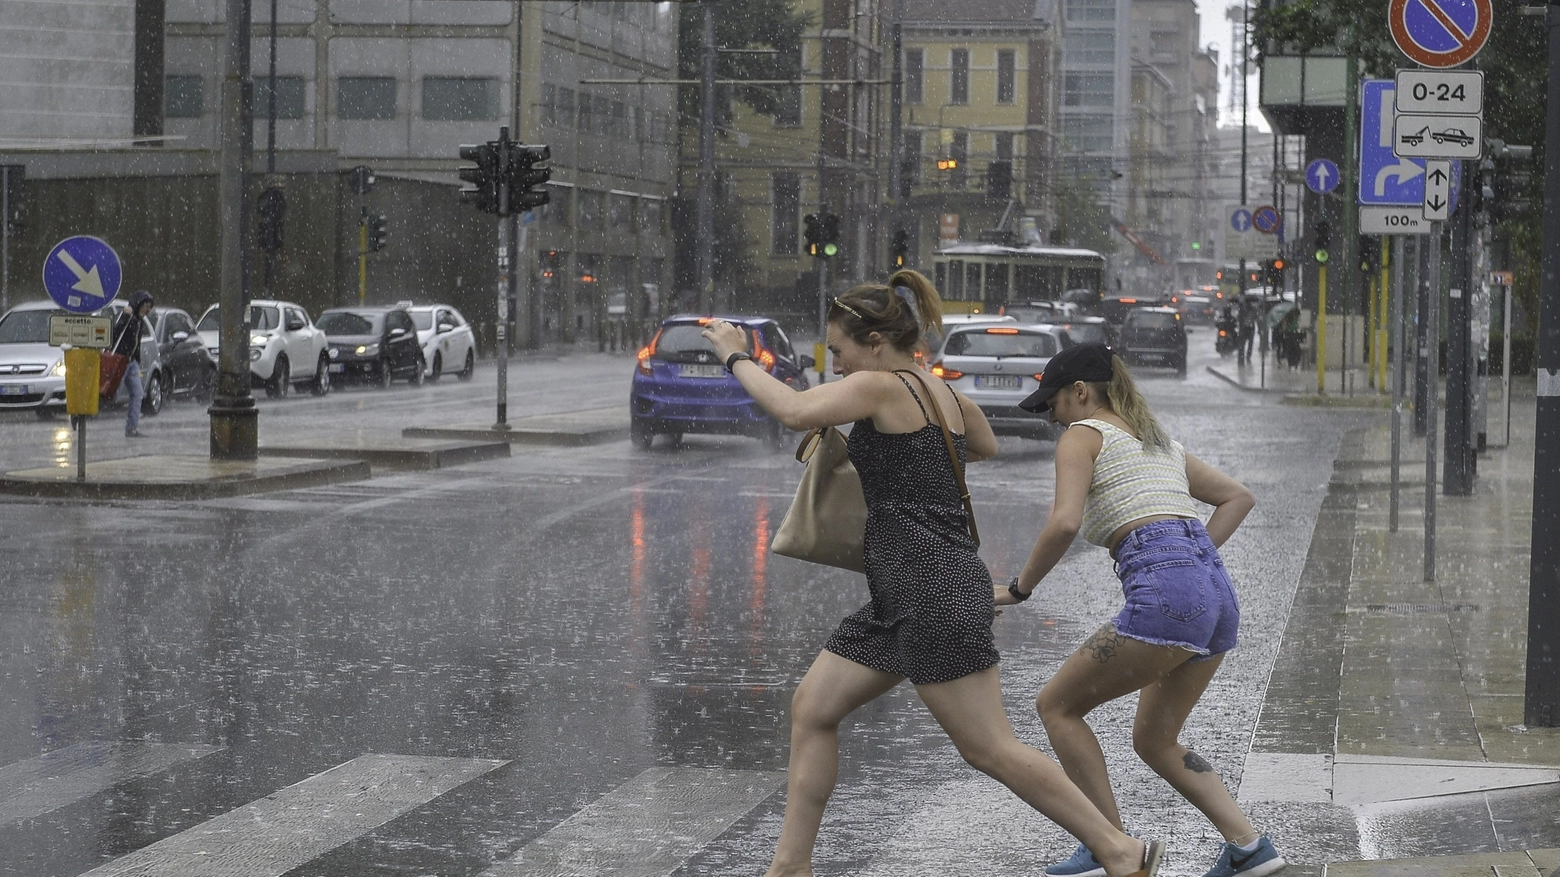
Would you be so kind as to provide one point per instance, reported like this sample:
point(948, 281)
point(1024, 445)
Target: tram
point(978, 277)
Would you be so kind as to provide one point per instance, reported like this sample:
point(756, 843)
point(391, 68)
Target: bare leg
point(1162, 711)
point(970, 710)
point(832, 689)
point(1107, 666)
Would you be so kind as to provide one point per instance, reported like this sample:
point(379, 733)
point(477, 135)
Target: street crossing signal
point(525, 177)
point(1323, 241)
point(377, 233)
point(900, 248)
point(830, 235)
point(483, 178)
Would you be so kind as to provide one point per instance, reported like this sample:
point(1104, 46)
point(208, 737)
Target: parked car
point(373, 344)
point(1037, 311)
point(188, 368)
point(32, 374)
point(680, 387)
point(286, 349)
point(997, 366)
point(446, 340)
point(1086, 330)
point(1155, 336)
point(950, 320)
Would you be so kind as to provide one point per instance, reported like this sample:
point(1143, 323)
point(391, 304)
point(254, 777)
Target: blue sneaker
point(1081, 864)
point(1259, 862)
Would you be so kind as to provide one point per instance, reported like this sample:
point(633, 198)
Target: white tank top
point(1132, 482)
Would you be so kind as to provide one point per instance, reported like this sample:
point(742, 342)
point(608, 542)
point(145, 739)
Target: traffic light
point(273, 207)
point(1323, 240)
point(813, 233)
point(1506, 180)
point(1275, 273)
point(483, 178)
point(525, 177)
point(947, 164)
point(1367, 251)
point(16, 219)
point(377, 234)
point(830, 235)
point(899, 249)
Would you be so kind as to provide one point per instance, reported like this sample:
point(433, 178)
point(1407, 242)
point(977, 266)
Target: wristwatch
point(1018, 595)
point(737, 357)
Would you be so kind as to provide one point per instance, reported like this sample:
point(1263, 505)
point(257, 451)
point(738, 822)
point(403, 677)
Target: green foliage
point(1082, 221)
point(750, 24)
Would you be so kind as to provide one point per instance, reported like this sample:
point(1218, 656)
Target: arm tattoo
point(1196, 763)
point(1103, 645)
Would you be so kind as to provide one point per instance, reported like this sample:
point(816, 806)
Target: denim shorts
point(1178, 593)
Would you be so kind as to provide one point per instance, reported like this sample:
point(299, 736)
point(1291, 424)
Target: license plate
point(997, 382)
point(702, 371)
point(14, 390)
point(337, 368)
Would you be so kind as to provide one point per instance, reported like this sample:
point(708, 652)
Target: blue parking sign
point(82, 274)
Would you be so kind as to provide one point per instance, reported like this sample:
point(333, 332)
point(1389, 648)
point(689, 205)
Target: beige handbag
point(827, 522)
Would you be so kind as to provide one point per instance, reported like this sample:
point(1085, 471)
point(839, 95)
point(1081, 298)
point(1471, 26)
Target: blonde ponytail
point(1129, 405)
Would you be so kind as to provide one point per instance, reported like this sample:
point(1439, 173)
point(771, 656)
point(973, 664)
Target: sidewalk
point(1392, 724)
point(1348, 390)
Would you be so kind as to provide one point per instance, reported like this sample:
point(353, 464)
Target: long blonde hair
point(1122, 395)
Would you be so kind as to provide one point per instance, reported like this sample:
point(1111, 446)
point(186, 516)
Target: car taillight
point(1222, 333)
point(644, 360)
point(945, 373)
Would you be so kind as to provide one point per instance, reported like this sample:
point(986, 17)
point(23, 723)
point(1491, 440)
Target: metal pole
point(1422, 381)
point(81, 448)
point(234, 419)
point(1459, 467)
point(270, 149)
point(896, 105)
point(362, 256)
point(1349, 244)
point(706, 177)
point(1542, 703)
point(505, 234)
point(1395, 327)
point(1432, 320)
point(823, 320)
point(5, 238)
point(1505, 359)
point(1321, 329)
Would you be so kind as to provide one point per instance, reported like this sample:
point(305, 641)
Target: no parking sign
point(1440, 33)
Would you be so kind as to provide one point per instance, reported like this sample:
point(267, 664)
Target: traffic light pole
point(362, 256)
point(1432, 321)
point(1460, 467)
point(705, 243)
point(234, 419)
point(1395, 326)
point(506, 232)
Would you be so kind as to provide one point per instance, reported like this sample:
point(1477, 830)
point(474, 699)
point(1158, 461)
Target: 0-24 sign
point(1436, 92)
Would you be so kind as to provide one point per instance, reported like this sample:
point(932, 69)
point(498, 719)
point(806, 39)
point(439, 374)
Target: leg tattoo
point(1102, 646)
point(1196, 763)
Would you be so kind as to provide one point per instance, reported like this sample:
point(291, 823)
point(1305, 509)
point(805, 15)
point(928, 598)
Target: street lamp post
point(234, 419)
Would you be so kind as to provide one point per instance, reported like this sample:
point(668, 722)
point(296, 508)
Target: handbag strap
point(953, 454)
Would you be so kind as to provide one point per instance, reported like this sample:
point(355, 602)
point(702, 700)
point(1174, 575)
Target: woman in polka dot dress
point(929, 619)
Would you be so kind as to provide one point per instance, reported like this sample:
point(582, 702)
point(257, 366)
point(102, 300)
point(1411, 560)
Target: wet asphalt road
point(569, 618)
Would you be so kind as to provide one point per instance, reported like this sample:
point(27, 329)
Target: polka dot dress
point(930, 615)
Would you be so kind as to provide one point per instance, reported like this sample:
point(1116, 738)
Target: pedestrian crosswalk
point(647, 827)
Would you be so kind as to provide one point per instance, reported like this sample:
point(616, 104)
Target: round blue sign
point(1240, 219)
point(1321, 176)
point(82, 274)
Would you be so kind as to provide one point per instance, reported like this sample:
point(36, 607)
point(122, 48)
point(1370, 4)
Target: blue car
point(680, 387)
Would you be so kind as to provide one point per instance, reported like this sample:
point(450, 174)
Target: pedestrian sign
point(82, 274)
point(1321, 176)
point(1439, 33)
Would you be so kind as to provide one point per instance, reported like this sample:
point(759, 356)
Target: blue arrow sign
point(82, 274)
point(1385, 178)
point(1240, 219)
point(1321, 176)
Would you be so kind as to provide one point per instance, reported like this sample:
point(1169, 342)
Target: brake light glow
point(946, 374)
point(644, 359)
point(765, 358)
point(1001, 331)
point(1128, 301)
point(1039, 375)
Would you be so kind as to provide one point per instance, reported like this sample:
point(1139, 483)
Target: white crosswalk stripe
point(60, 778)
point(647, 827)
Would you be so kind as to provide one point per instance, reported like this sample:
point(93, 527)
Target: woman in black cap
point(1128, 487)
point(929, 619)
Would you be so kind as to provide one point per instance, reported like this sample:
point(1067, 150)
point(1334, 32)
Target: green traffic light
point(831, 250)
point(1321, 256)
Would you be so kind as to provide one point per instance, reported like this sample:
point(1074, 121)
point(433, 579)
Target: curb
point(431, 455)
point(288, 474)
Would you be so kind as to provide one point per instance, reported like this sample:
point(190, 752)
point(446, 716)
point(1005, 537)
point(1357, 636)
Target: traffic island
point(178, 477)
point(592, 426)
point(394, 453)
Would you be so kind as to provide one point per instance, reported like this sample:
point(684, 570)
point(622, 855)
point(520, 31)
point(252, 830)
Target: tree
point(771, 24)
point(1082, 221)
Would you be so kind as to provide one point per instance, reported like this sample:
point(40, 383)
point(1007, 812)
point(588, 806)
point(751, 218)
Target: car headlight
point(368, 349)
point(255, 352)
point(59, 369)
point(259, 339)
point(335, 352)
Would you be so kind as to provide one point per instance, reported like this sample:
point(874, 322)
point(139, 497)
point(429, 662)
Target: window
point(650, 216)
point(1090, 47)
point(549, 104)
point(619, 120)
point(915, 75)
point(912, 157)
point(1091, 10)
point(365, 97)
point(591, 213)
point(959, 151)
point(459, 99)
point(620, 213)
point(959, 76)
point(289, 97)
point(183, 97)
point(1087, 133)
point(787, 201)
point(1004, 145)
point(565, 107)
point(1088, 89)
point(1007, 82)
point(788, 105)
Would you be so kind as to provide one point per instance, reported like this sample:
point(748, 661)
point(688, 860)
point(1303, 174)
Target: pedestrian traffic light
point(273, 206)
point(525, 177)
point(377, 234)
point(483, 178)
point(829, 235)
point(813, 233)
point(899, 250)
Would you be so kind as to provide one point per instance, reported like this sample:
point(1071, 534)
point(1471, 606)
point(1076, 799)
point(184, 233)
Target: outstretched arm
point(847, 400)
point(1075, 454)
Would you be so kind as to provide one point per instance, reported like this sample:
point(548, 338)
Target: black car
point(1115, 308)
point(372, 344)
point(1088, 330)
point(1155, 336)
point(188, 371)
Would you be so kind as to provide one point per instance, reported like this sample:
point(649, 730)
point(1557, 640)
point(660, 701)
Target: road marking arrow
point(87, 281)
point(1403, 170)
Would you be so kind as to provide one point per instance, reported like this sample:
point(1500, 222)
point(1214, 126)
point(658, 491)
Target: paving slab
point(1516, 864)
point(392, 452)
point(179, 477)
point(592, 426)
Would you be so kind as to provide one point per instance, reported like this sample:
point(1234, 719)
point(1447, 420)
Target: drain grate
point(1422, 608)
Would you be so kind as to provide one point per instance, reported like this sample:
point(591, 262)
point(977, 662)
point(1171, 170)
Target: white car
point(446, 339)
point(997, 365)
point(286, 349)
point(32, 372)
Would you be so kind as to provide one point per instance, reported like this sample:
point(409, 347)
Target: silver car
point(997, 366)
point(32, 373)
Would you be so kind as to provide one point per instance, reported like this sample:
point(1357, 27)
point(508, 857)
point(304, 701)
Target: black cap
point(1090, 363)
